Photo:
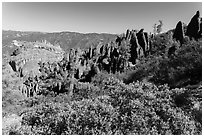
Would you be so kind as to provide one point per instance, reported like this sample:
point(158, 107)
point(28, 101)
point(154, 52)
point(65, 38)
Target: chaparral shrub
point(136, 108)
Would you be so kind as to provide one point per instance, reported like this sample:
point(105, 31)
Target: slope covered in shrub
point(180, 69)
point(136, 108)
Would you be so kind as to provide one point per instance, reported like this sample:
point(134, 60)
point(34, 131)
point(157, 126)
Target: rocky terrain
point(133, 83)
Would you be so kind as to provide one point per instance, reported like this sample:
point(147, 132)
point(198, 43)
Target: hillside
point(66, 40)
point(132, 84)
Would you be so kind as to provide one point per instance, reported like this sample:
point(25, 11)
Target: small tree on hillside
point(157, 28)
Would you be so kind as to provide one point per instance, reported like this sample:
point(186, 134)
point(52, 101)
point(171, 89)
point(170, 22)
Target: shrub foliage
point(153, 97)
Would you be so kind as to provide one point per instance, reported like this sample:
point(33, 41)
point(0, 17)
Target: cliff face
point(32, 53)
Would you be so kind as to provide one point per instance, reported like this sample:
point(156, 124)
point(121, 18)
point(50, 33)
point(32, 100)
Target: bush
point(136, 108)
point(181, 69)
point(85, 91)
point(112, 104)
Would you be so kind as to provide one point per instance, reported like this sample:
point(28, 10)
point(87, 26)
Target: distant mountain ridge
point(65, 39)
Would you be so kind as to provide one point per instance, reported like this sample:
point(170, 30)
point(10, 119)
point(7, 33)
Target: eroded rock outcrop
point(194, 26)
point(179, 33)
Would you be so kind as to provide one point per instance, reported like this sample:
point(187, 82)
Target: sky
point(100, 17)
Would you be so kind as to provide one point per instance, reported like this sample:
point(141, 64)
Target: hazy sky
point(95, 17)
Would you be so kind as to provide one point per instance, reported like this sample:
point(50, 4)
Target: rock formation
point(193, 27)
point(147, 42)
point(200, 31)
point(133, 49)
point(13, 65)
point(127, 34)
point(142, 41)
point(178, 33)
